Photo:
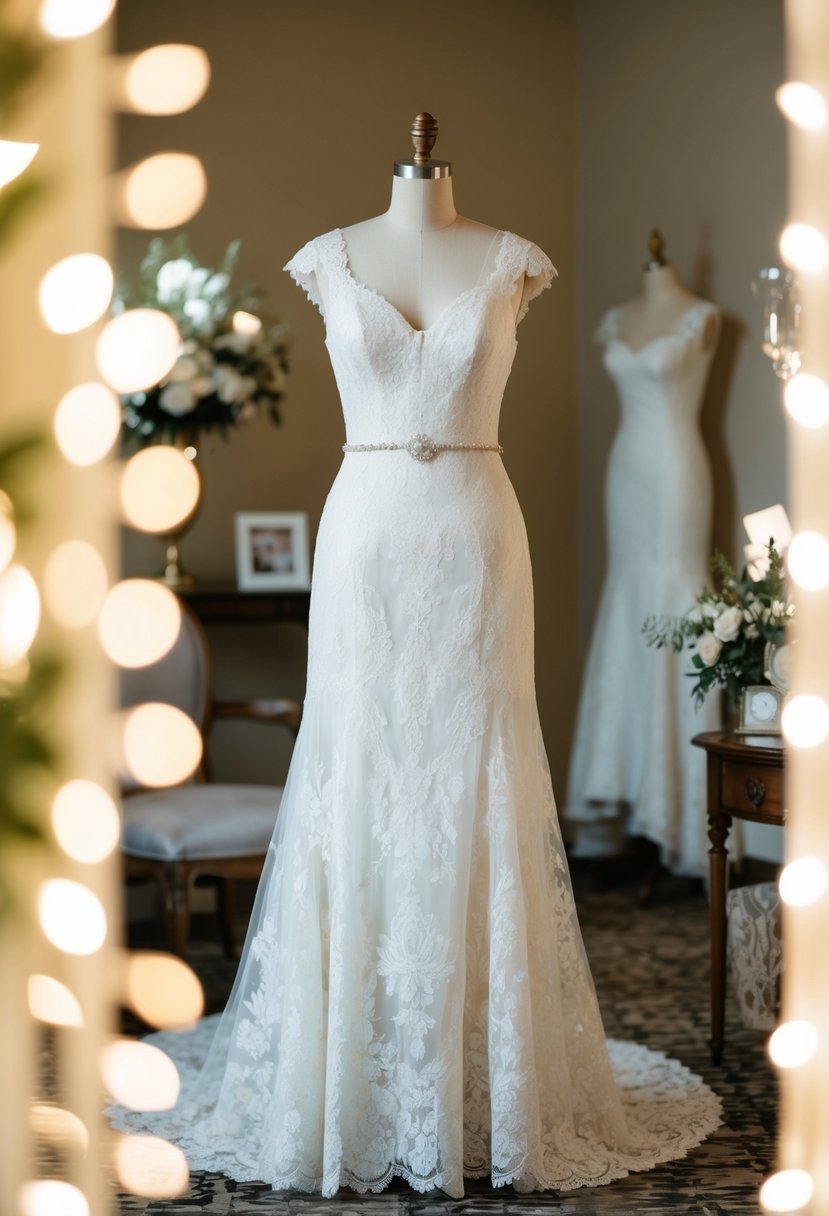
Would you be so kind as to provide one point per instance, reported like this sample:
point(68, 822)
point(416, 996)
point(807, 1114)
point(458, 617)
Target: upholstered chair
point(202, 828)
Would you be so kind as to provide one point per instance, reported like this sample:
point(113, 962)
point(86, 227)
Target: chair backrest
point(182, 677)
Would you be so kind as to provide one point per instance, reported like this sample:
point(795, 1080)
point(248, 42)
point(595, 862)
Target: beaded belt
point(421, 447)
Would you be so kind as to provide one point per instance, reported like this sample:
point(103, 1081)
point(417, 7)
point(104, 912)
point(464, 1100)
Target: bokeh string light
point(76, 292)
point(87, 423)
point(150, 1166)
point(162, 191)
point(140, 1076)
point(139, 622)
point(137, 348)
point(166, 79)
point(799, 1047)
point(74, 583)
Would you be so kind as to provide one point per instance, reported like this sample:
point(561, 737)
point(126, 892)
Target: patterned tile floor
point(651, 971)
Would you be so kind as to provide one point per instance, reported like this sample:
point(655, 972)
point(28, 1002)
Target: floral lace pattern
point(413, 998)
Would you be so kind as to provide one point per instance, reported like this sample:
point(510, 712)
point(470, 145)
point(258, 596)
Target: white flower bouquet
point(231, 365)
point(729, 627)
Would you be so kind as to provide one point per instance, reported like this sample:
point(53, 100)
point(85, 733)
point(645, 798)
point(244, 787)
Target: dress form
point(421, 254)
point(663, 303)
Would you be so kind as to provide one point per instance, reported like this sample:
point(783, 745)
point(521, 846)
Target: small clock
point(760, 708)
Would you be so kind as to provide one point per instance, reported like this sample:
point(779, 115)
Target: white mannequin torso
point(657, 312)
point(420, 254)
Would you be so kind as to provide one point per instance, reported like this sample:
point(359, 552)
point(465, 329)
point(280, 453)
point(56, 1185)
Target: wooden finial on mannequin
point(656, 249)
point(424, 133)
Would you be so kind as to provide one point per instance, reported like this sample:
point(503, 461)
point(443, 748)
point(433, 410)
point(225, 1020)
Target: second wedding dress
point(413, 997)
point(633, 768)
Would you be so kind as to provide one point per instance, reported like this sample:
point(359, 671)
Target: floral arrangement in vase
point(232, 364)
point(730, 627)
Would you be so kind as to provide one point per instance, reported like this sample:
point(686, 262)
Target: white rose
point(197, 310)
point(231, 387)
point(171, 278)
point(177, 399)
point(709, 649)
point(752, 631)
point(240, 343)
point(183, 369)
point(215, 285)
point(196, 281)
point(727, 624)
point(203, 386)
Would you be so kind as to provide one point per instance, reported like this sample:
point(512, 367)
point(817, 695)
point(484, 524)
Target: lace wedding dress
point(633, 768)
point(413, 997)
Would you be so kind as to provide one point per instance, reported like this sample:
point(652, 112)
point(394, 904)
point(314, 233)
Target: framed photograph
point(272, 551)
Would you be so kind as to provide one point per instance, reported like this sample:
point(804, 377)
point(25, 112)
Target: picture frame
point(272, 551)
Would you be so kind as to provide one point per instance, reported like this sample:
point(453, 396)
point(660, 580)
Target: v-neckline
point(345, 264)
point(679, 331)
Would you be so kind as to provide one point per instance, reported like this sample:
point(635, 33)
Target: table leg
point(718, 828)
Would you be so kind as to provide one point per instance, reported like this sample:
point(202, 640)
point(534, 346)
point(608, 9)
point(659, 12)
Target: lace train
point(673, 1109)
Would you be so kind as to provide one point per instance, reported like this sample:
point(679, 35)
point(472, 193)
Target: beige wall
point(310, 104)
point(677, 128)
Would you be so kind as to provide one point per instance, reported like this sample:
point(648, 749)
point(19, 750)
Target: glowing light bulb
point(15, 158)
point(71, 916)
point(786, 1191)
point(793, 1044)
point(802, 105)
point(75, 292)
point(163, 191)
point(87, 422)
point(804, 248)
point(136, 349)
point(803, 882)
point(74, 18)
point(19, 614)
point(245, 323)
point(59, 1127)
point(808, 560)
point(140, 1076)
point(159, 489)
point(163, 990)
point(152, 1167)
point(166, 79)
point(807, 400)
point(8, 532)
point(51, 1001)
point(805, 720)
point(162, 746)
point(139, 622)
point(51, 1197)
point(74, 583)
point(85, 821)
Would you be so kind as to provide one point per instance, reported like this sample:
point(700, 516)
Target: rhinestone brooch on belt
point(422, 448)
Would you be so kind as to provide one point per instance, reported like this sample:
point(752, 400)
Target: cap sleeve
point(539, 273)
point(303, 270)
point(607, 327)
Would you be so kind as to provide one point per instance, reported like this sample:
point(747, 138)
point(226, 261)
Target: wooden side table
point(215, 603)
point(745, 781)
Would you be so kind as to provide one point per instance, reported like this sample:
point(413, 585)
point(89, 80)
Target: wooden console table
point(224, 603)
point(745, 781)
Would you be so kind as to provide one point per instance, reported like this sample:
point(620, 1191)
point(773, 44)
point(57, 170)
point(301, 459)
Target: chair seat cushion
point(200, 821)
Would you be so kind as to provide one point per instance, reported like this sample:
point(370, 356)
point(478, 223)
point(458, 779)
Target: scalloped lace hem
point(670, 1111)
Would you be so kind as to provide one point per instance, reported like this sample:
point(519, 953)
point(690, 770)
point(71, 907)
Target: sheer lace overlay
point(413, 997)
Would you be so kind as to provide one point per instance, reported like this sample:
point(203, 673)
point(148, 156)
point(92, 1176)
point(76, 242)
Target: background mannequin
point(632, 766)
point(662, 304)
point(421, 254)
